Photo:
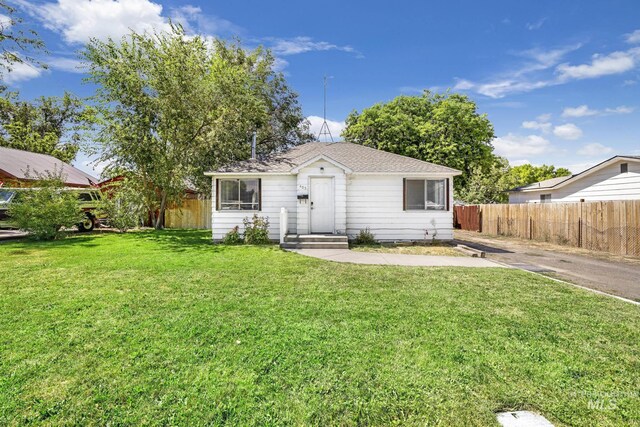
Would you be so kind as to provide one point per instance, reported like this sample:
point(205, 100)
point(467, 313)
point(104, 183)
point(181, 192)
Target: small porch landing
point(315, 241)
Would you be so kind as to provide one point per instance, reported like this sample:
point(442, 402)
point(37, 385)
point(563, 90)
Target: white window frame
point(445, 205)
point(239, 203)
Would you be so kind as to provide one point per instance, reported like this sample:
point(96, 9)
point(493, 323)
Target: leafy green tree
point(49, 125)
point(441, 128)
point(16, 45)
point(526, 174)
point(485, 186)
point(173, 106)
point(490, 186)
point(46, 209)
point(121, 205)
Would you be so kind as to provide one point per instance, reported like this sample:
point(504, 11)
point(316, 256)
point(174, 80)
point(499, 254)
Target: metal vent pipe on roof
point(253, 145)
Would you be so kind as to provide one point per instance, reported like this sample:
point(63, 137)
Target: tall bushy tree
point(48, 125)
point(526, 174)
point(174, 106)
point(490, 186)
point(486, 186)
point(441, 128)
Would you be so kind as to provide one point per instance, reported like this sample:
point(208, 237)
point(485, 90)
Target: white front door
point(321, 202)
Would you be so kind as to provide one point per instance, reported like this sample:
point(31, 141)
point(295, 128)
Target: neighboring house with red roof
point(337, 189)
point(20, 168)
point(617, 178)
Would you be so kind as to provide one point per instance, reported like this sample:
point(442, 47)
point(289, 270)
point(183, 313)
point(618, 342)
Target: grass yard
point(166, 329)
point(439, 250)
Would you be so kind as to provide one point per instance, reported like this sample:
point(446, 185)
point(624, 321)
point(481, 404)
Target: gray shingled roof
point(547, 183)
point(19, 163)
point(356, 157)
point(550, 183)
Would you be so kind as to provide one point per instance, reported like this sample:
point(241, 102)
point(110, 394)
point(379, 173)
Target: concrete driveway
point(346, 255)
point(610, 274)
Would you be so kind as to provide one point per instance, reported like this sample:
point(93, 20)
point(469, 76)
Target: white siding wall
point(340, 194)
point(605, 184)
point(278, 191)
point(376, 201)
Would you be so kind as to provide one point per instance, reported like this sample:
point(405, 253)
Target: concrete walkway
point(345, 255)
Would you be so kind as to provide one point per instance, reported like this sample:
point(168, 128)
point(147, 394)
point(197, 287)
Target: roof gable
point(354, 157)
point(319, 158)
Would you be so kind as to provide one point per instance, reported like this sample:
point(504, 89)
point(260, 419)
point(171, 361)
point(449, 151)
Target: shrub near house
point(44, 211)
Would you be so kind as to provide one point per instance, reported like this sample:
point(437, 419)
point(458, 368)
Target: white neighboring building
point(338, 189)
point(615, 179)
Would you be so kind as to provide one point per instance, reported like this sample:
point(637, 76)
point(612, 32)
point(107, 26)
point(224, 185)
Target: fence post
point(580, 231)
point(284, 224)
point(530, 228)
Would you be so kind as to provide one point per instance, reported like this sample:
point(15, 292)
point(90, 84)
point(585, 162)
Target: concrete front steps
point(315, 241)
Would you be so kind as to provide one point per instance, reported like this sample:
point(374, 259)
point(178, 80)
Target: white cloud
point(580, 111)
point(594, 149)
point(535, 71)
point(633, 37)
point(521, 79)
point(335, 127)
point(585, 111)
point(65, 64)
point(5, 21)
point(519, 162)
point(623, 109)
point(194, 21)
point(567, 131)
point(462, 84)
point(518, 146)
point(544, 117)
point(543, 126)
point(299, 45)
point(502, 88)
point(78, 21)
point(280, 64)
point(21, 71)
point(536, 25)
point(600, 65)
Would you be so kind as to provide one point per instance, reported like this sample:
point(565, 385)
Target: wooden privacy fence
point(194, 213)
point(467, 217)
point(609, 226)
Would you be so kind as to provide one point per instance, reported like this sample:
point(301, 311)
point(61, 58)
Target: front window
point(426, 194)
point(545, 198)
point(239, 194)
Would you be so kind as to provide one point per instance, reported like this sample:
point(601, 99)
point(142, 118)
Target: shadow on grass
point(179, 240)
point(28, 242)
point(174, 240)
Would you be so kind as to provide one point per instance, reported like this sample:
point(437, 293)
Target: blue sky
point(559, 79)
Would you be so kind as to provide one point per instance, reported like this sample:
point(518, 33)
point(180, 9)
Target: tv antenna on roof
point(324, 129)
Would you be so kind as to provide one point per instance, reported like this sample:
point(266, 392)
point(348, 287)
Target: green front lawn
point(167, 329)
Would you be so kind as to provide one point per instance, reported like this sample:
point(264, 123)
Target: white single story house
point(337, 189)
point(617, 178)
